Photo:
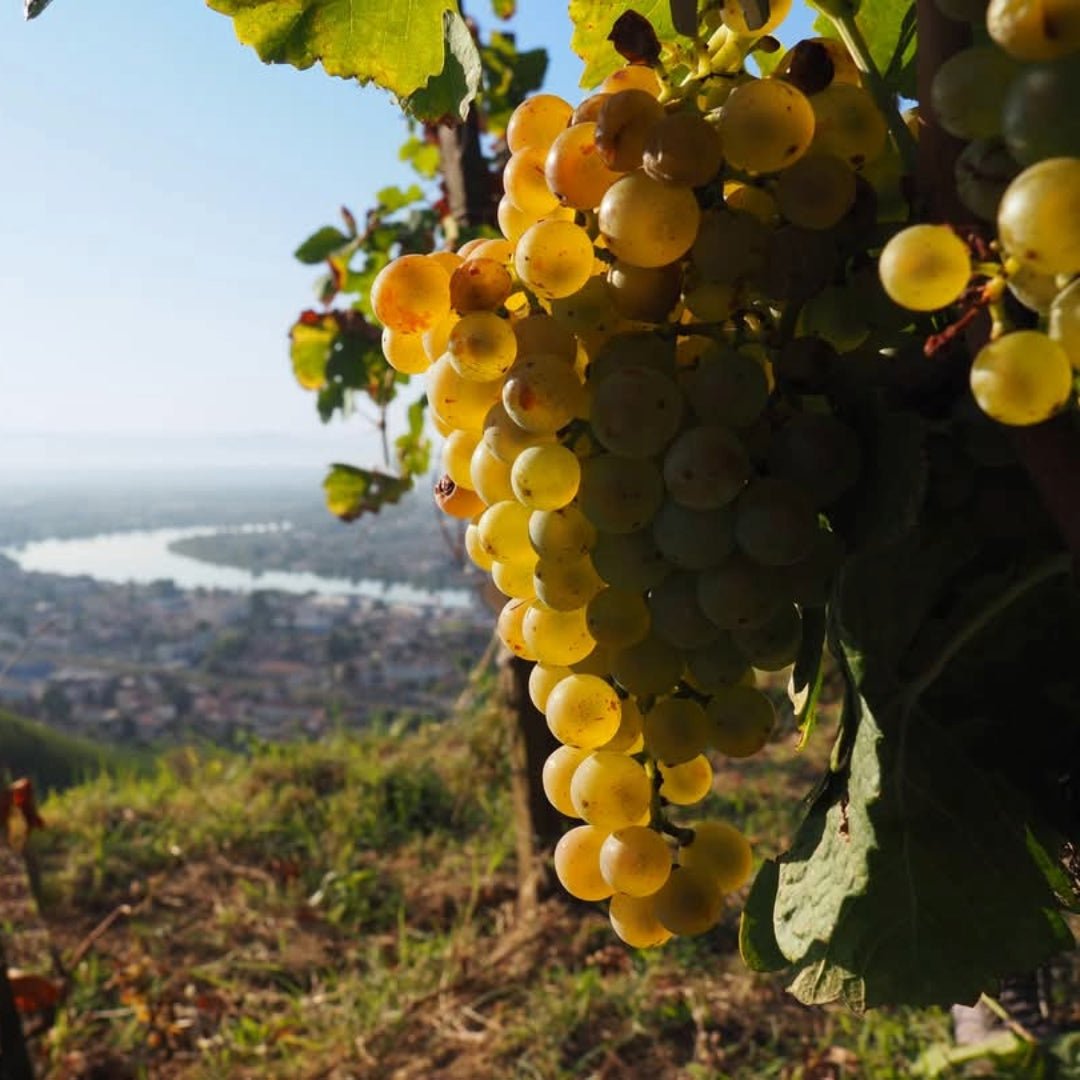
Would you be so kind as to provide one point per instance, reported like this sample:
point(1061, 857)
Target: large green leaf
point(395, 43)
point(593, 20)
point(448, 94)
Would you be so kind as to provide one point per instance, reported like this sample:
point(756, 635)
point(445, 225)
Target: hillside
point(347, 909)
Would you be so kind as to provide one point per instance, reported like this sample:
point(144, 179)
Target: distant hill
point(53, 760)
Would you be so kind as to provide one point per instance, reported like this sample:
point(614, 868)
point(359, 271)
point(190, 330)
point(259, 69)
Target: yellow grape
point(490, 476)
point(557, 773)
point(564, 534)
point(480, 284)
point(457, 456)
point(635, 860)
point(575, 171)
point(461, 402)
point(475, 549)
point(676, 730)
point(583, 710)
point(1039, 216)
point(646, 293)
point(722, 852)
point(566, 584)
point(753, 200)
point(598, 663)
point(542, 393)
point(554, 258)
point(411, 294)
point(648, 223)
point(577, 863)
point(623, 124)
point(1065, 322)
point(458, 502)
point(525, 184)
point(505, 439)
point(651, 666)
point(690, 902)
point(557, 637)
point(610, 790)
point(438, 337)
point(497, 249)
point(448, 260)
point(504, 531)
point(741, 718)
point(765, 126)
point(542, 680)
point(848, 124)
point(618, 494)
point(482, 346)
point(632, 77)
point(1021, 378)
point(405, 352)
point(634, 919)
point(688, 782)
point(543, 334)
point(509, 628)
point(1035, 29)
point(513, 221)
point(816, 192)
point(618, 617)
point(629, 738)
point(515, 579)
point(925, 267)
point(545, 477)
point(537, 121)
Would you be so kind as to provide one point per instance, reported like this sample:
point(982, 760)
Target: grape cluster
point(643, 496)
point(1014, 101)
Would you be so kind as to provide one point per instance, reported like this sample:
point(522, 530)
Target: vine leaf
point(757, 939)
point(33, 8)
point(593, 21)
point(875, 900)
point(399, 46)
point(320, 245)
point(351, 491)
point(447, 95)
point(310, 341)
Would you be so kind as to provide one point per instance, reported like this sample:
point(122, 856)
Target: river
point(144, 556)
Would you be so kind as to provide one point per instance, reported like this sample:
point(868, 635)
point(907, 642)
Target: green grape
point(807, 581)
point(682, 148)
point(462, 403)
point(510, 628)
point(848, 124)
point(475, 549)
point(504, 531)
point(731, 247)
point(637, 350)
point(457, 455)
point(1035, 29)
point(504, 439)
point(694, 539)
point(727, 387)
point(610, 790)
point(831, 316)
point(556, 637)
point(816, 453)
point(720, 663)
point(983, 171)
point(411, 294)
point(737, 593)
point(1034, 290)
point(775, 523)
point(629, 738)
point(542, 680)
point(635, 860)
point(925, 267)
point(623, 124)
point(542, 394)
point(557, 773)
point(750, 199)
point(968, 91)
point(515, 579)
point(480, 284)
point(490, 477)
point(576, 171)
point(816, 192)
point(618, 494)
point(482, 346)
point(720, 850)
point(1039, 216)
point(1021, 378)
point(765, 126)
point(651, 666)
point(630, 561)
point(598, 662)
point(617, 617)
point(633, 918)
point(542, 334)
point(1039, 118)
point(645, 293)
point(741, 719)
point(688, 782)
point(525, 184)
point(676, 614)
point(537, 121)
point(577, 863)
point(690, 902)
point(564, 534)
point(590, 314)
point(709, 301)
point(1065, 322)
point(646, 222)
point(554, 258)
point(565, 585)
point(635, 411)
point(545, 477)
point(405, 352)
point(706, 467)
point(773, 644)
point(733, 14)
point(583, 710)
point(676, 730)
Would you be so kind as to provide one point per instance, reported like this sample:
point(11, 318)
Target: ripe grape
point(635, 411)
point(610, 790)
point(676, 613)
point(490, 477)
point(651, 666)
point(646, 293)
point(632, 77)
point(558, 771)
point(475, 549)
point(1035, 29)
point(456, 501)
point(731, 247)
point(765, 126)
point(720, 850)
point(575, 170)
point(753, 200)
point(646, 222)
point(727, 387)
point(816, 63)
point(706, 467)
point(510, 628)
point(633, 918)
point(623, 124)
point(1040, 118)
point(411, 294)
point(628, 739)
point(542, 334)
point(617, 617)
point(694, 539)
point(818, 454)
point(848, 124)
point(577, 863)
point(635, 860)
point(457, 456)
point(462, 403)
point(583, 710)
point(1064, 325)
point(775, 523)
point(630, 560)
point(545, 477)
point(720, 663)
point(537, 121)
point(542, 680)
point(405, 352)
point(816, 192)
point(482, 346)
point(542, 394)
point(676, 730)
point(688, 782)
point(773, 644)
point(969, 90)
point(554, 258)
point(1039, 216)
point(925, 267)
point(516, 579)
point(565, 584)
point(618, 494)
point(1021, 378)
point(737, 593)
point(690, 902)
point(741, 718)
point(682, 148)
point(556, 637)
point(525, 184)
point(588, 110)
point(480, 284)
point(504, 439)
point(561, 534)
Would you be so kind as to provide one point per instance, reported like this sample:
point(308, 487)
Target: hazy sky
point(156, 179)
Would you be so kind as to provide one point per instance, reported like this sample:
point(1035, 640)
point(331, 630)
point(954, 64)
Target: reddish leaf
point(32, 993)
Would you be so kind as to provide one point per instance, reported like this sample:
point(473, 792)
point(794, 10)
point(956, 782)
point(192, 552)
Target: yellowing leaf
point(593, 20)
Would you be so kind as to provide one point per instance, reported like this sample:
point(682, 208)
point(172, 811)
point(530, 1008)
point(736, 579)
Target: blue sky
point(156, 179)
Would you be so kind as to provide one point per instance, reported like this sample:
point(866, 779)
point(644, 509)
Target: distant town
point(155, 664)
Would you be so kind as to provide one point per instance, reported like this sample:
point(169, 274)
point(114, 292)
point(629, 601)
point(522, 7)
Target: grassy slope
point(347, 910)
